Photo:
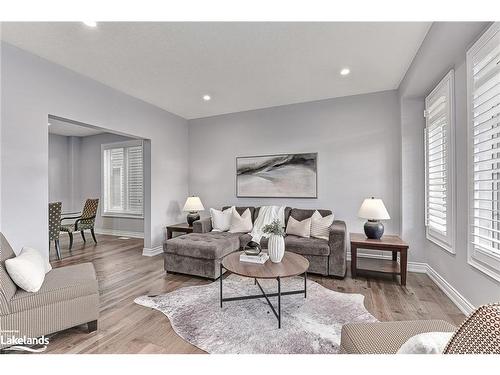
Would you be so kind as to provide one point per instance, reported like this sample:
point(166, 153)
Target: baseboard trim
point(121, 233)
point(151, 252)
point(460, 301)
point(418, 267)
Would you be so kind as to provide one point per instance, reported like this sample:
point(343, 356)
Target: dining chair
point(85, 221)
point(54, 225)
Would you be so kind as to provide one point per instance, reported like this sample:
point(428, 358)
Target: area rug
point(309, 325)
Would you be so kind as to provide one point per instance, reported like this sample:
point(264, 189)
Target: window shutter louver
point(438, 163)
point(483, 66)
point(123, 181)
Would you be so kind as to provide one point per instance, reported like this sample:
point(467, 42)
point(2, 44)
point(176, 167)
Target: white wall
point(444, 48)
point(32, 88)
point(357, 139)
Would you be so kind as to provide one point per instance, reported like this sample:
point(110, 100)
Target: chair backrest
point(7, 286)
point(89, 211)
point(478, 334)
point(54, 220)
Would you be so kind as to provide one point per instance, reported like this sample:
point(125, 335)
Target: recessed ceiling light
point(206, 98)
point(345, 71)
point(90, 23)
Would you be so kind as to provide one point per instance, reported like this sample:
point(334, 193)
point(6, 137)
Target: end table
point(181, 227)
point(390, 243)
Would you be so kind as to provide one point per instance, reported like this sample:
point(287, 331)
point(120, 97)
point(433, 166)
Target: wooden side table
point(390, 243)
point(182, 227)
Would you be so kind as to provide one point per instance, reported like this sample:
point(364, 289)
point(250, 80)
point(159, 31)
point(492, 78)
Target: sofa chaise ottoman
point(200, 253)
point(68, 297)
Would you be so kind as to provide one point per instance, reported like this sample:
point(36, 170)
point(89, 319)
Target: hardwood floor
point(125, 327)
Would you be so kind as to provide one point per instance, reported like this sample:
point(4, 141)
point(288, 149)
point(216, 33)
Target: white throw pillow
point(320, 226)
point(241, 223)
point(46, 263)
point(299, 228)
point(426, 343)
point(221, 220)
point(27, 269)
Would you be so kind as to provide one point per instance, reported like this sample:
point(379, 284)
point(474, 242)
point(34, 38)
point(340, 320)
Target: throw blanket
point(266, 216)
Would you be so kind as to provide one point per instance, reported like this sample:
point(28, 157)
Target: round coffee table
point(291, 265)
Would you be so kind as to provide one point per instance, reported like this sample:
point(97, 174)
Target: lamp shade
point(373, 209)
point(193, 204)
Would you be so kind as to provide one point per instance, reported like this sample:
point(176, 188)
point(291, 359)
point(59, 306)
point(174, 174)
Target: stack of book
point(260, 258)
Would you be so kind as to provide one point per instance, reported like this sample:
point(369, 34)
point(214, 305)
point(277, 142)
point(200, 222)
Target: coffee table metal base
point(265, 295)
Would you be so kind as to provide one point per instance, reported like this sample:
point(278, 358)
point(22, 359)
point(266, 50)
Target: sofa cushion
point(307, 246)
point(213, 245)
point(60, 284)
point(386, 337)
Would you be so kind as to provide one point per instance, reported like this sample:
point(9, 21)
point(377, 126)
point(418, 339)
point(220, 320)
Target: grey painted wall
point(60, 171)
point(33, 88)
point(90, 181)
point(75, 175)
point(444, 48)
point(357, 139)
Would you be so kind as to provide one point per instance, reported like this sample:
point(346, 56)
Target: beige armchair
point(68, 297)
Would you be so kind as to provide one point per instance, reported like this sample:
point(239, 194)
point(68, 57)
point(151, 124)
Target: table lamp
point(373, 210)
point(193, 205)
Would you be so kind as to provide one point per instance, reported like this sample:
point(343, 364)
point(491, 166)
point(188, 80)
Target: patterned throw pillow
point(299, 228)
point(320, 226)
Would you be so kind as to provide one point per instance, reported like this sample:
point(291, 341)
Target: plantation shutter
point(438, 157)
point(123, 182)
point(484, 117)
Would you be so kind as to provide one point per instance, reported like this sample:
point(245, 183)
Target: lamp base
point(374, 229)
point(192, 217)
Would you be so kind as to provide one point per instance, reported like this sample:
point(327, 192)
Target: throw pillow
point(426, 343)
point(320, 226)
point(46, 262)
point(221, 220)
point(299, 228)
point(27, 269)
point(241, 223)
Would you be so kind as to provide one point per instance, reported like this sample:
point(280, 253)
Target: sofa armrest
point(202, 225)
point(339, 243)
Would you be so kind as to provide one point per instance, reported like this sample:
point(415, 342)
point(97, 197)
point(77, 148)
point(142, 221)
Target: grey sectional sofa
point(200, 253)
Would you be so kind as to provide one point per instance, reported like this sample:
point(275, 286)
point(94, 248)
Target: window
point(483, 75)
point(123, 190)
point(439, 165)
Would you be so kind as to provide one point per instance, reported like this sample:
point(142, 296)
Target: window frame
point(445, 242)
point(125, 145)
point(481, 259)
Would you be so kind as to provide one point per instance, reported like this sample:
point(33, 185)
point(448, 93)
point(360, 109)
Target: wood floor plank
point(124, 274)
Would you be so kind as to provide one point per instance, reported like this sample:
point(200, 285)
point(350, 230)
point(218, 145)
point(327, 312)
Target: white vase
point(276, 248)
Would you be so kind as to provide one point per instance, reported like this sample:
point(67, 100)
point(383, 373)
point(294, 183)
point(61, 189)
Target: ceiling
point(241, 65)
point(69, 129)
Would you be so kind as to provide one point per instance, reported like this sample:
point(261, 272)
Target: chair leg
point(70, 240)
point(58, 248)
point(93, 234)
point(92, 326)
point(83, 236)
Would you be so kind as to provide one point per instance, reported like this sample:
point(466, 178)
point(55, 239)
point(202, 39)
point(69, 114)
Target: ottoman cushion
point(213, 245)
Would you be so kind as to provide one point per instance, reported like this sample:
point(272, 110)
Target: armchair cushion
point(60, 284)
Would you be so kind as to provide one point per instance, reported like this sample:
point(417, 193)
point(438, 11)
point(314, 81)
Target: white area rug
point(308, 325)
